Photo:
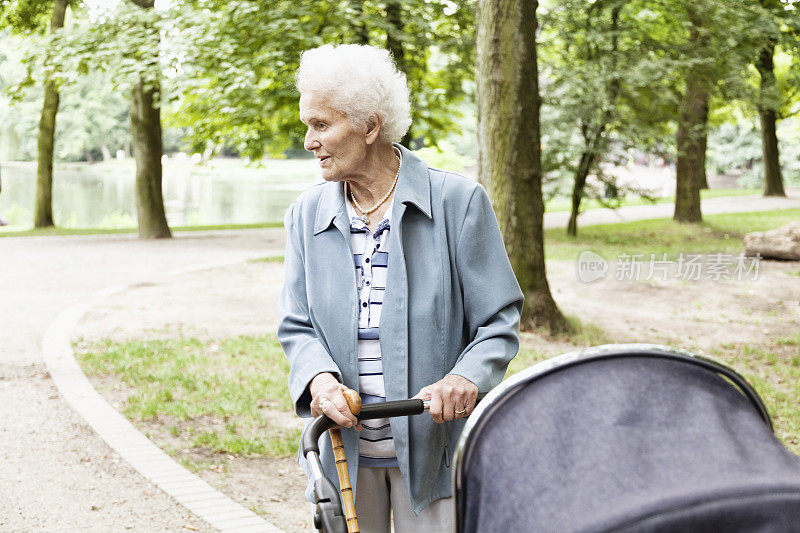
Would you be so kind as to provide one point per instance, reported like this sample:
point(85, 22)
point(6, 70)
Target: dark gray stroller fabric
point(627, 444)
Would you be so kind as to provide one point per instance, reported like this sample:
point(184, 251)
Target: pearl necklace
point(365, 212)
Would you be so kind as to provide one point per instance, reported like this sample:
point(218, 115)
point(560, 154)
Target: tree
point(585, 80)
point(604, 92)
point(29, 16)
point(690, 167)
point(705, 48)
point(593, 133)
point(773, 180)
point(509, 146)
point(43, 216)
point(148, 147)
point(126, 42)
point(769, 100)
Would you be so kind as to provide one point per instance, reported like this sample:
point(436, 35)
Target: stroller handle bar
point(328, 516)
point(322, 423)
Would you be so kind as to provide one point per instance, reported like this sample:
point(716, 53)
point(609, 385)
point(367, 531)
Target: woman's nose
point(310, 142)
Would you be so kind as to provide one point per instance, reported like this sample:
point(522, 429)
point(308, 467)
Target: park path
point(56, 474)
point(710, 206)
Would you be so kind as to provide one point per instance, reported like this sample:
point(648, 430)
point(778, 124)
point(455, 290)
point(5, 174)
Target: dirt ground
point(241, 300)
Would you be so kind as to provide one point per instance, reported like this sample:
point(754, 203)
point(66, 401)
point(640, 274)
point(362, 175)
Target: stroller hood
point(625, 438)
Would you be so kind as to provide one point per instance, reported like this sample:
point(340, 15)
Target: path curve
point(149, 460)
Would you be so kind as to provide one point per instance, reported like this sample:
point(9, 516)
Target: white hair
point(360, 81)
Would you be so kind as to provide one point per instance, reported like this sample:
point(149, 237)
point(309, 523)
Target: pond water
point(101, 195)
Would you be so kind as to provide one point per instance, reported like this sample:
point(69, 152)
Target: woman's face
point(340, 151)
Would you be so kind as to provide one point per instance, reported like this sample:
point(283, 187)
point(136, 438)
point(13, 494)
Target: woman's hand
point(451, 397)
point(327, 399)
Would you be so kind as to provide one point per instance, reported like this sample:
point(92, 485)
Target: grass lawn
point(218, 395)
point(717, 233)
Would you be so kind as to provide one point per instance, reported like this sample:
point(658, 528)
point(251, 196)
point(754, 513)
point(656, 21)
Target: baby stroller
point(616, 438)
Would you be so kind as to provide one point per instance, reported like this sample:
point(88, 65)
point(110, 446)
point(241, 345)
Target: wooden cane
point(354, 402)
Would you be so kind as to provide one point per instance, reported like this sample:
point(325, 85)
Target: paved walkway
point(56, 473)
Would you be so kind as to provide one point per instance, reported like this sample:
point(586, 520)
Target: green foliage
point(239, 59)
point(613, 73)
point(125, 44)
point(18, 123)
point(25, 16)
point(226, 68)
point(736, 149)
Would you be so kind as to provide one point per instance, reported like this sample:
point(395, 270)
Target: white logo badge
point(591, 267)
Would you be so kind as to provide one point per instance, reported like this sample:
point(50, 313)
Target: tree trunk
point(582, 172)
point(773, 180)
point(702, 176)
point(509, 146)
point(690, 167)
point(394, 18)
point(592, 141)
point(43, 217)
point(691, 158)
point(148, 149)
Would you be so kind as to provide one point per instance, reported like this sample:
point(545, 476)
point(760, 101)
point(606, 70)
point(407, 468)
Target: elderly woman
point(397, 285)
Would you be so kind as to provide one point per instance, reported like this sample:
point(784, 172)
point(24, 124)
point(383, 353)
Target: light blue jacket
point(452, 306)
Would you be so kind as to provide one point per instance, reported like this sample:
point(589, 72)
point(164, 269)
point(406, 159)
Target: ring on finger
point(461, 411)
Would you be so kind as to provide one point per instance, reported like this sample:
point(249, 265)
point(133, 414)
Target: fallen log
point(780, 243)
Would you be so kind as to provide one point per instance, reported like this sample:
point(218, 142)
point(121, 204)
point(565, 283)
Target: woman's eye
point(322, 126)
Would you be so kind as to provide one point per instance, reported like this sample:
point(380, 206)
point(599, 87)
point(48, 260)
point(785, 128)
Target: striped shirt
point(370, 256)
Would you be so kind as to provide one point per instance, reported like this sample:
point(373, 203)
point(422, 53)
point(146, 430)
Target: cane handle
point(353, 400)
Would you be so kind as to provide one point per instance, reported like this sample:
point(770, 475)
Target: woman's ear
point(374, 125)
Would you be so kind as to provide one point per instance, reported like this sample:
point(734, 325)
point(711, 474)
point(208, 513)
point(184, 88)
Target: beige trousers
point(381, 496)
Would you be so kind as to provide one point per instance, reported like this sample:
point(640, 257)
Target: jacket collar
point(413, 187)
